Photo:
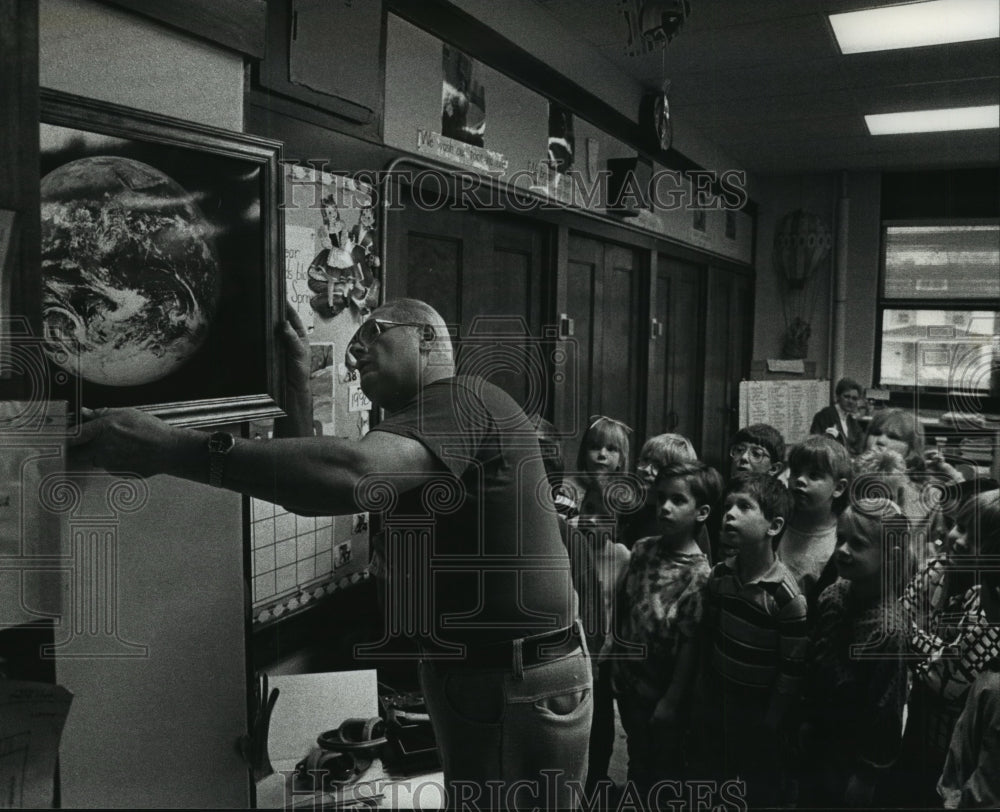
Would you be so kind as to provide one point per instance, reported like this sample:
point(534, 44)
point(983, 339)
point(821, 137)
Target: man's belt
point(536, 649)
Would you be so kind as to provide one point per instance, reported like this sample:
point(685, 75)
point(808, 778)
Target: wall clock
point(655, 119)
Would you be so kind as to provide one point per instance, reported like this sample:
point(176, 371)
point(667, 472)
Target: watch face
point(221, 442)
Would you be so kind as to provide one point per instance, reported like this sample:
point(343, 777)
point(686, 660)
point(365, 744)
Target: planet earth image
point(130, 274)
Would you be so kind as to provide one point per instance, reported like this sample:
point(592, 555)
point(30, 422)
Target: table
point(309, 704)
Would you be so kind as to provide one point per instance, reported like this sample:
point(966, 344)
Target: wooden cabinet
point(676, 352)
point(658, 340)
point(485, 274)
point(603, 291)
point(728, 346)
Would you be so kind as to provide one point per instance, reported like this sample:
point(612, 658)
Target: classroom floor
point(618, 769)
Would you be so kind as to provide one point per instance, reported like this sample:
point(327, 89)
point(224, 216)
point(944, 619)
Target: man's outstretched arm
point(316, 475)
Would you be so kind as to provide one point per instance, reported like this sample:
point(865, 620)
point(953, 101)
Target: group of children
point(777, 628)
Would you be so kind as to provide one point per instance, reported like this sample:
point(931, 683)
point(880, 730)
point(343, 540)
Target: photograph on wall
point(561, 141)
point(331, 261)
point(331, 279)
point(463, 99)
point(158, 260)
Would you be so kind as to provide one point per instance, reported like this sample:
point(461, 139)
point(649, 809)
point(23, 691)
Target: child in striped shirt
point(756, 639)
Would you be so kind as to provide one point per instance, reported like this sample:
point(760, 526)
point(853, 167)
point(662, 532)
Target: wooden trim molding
point(240, 25)
point(450, 24)
point(19, 190)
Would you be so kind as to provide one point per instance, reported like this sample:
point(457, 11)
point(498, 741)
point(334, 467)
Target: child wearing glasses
point(657, 616)
point(819, 473)
point(755, 449)
point(597, 561)
point(759, 449)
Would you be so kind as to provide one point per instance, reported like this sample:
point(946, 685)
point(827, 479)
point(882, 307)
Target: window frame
point(933, 397)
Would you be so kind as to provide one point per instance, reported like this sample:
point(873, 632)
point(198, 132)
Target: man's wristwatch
point(220, 443)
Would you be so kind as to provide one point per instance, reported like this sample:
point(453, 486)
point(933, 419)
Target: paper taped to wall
point(32, 716)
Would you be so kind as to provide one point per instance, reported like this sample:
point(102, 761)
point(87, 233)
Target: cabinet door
point(676, 352)
point(727, 360)
point(602, 299)
point(483, 273)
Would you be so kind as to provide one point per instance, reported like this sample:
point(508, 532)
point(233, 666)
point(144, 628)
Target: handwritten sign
point(450, 149)
point(789, 406)
point(357, 401)
point(300, 247)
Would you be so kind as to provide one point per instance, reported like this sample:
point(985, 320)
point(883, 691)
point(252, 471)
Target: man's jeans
point(512, 740)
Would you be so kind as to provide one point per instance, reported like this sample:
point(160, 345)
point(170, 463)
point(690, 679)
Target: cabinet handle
point(566, 326)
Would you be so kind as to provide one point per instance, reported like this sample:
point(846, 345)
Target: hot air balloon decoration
point(802, 244)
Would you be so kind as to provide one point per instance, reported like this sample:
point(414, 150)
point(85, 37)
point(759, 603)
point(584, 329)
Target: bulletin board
point(789, 406)
point(32, 440)
point(331, 279)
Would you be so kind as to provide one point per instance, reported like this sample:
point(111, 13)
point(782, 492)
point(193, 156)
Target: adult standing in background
point(838, 420)
point(482, 585)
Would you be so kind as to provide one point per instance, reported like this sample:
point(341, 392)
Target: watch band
point(220, 443)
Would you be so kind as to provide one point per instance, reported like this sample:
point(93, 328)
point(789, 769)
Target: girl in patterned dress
point(657, 616)
point(951, 636)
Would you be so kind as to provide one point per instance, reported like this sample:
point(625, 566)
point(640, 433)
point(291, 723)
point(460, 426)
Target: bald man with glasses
point(470, 563)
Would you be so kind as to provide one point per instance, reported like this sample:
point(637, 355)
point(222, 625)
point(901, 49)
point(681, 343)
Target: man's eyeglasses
point(597, 418)
point(370, 331)
point(755, 452)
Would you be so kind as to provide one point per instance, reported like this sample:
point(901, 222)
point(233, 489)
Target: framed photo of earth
point(162, 267)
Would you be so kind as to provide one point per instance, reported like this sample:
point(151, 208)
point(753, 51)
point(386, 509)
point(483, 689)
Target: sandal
point(354, 735)
point(334, 769)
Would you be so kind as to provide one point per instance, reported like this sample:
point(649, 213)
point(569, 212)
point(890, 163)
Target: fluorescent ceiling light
point(912, 25)
point(932, 121)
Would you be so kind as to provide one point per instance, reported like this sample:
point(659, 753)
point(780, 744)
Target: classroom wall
point(531, 26)
point(818, 193)
point(158, 730)
point(863, 260)
point(776, 197)
point(517, 128)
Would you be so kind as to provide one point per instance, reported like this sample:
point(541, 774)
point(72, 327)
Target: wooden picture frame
point(162, 263)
